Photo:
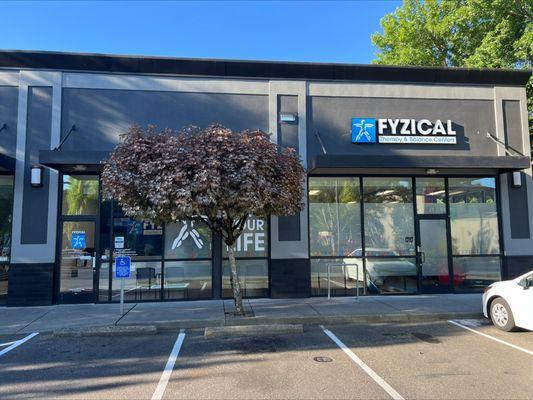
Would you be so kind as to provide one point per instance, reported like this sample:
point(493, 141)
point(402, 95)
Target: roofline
point(93, 62)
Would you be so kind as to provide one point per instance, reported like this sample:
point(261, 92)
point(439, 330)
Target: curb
point(154, 327)
point(112, 330)
point(316, 320)
point(252, 330)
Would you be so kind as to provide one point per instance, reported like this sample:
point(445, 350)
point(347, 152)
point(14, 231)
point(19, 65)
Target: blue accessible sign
point(78, 240)
point(122, 267)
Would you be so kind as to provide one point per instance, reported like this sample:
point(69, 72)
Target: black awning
point(326, 163)
point(73, 161)
point(7, 163)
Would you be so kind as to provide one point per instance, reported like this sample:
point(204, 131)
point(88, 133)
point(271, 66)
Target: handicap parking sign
point(78, 240)
point(122, 267)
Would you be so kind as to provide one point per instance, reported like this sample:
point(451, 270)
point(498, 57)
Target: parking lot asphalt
point(433, 360)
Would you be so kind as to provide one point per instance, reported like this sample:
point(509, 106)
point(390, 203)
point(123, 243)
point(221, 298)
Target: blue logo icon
point(363, 130)
point(122, 267)
point(78, 240)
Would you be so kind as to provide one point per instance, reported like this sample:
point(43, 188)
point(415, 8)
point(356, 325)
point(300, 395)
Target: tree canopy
point(214, 175)
point(459, 33)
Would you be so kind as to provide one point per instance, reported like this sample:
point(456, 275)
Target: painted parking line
point(17, 343)
point(378, 379)
point(492, 337)
point(162, 385)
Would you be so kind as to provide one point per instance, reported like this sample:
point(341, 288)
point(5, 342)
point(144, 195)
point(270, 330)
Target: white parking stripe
point(492, 338)
point(160, 390)
point(378, 379)
point(8, 343)
point(18, 343)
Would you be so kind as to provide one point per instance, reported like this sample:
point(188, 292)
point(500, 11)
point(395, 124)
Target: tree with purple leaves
point(214, 175)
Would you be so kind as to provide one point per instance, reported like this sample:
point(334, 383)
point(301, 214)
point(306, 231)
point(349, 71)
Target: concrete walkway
point(199, 314)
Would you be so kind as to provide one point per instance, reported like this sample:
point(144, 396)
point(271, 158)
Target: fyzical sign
point(402, 130)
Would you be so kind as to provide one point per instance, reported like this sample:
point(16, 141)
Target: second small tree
point(213, 175)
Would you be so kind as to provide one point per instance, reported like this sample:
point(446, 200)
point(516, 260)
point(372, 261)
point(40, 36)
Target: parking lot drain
point(323, 359)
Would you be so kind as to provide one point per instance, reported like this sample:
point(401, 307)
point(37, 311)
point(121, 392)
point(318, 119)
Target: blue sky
point(325, 31)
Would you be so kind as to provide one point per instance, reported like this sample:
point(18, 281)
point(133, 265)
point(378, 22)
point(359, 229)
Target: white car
point(509, 304)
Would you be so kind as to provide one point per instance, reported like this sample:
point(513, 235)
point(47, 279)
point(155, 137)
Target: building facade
point(419, 179)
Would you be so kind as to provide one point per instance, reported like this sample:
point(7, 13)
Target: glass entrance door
point(433, 260)
point(78, 262)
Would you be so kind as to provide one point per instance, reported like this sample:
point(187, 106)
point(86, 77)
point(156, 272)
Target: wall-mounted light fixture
point(36, 176)
point(517, 179)
point(288, 118)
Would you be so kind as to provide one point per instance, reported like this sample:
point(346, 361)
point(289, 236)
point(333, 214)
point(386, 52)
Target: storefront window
point(6, 215)
point(430, 196)
point(475, 273)
point(188, 279)
point(80, 195)
point(189, 243)
point(251, 252)
point(391, 275)
point(187, 239)
point(334, 216)
point(142, 240)
point(474, 216)
point(346, 276)
point(144, 282)
point(388, 216)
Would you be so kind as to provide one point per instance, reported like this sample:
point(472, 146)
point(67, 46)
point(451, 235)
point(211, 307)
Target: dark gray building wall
point(512, 124)
point(35, 200)
point(101, 115)
point(8, 116)
point(288, 226)
point(331, 118)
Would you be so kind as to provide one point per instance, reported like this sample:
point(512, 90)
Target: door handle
point(422, 257)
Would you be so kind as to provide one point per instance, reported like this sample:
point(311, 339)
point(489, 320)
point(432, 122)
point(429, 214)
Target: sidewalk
point(208, 313)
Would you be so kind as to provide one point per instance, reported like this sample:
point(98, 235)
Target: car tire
point(501, 315)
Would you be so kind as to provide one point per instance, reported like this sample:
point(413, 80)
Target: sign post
point(122, 271)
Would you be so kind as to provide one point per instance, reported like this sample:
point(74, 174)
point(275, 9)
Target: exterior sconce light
point(517, 180)
point(36, 176)
point(285, 118)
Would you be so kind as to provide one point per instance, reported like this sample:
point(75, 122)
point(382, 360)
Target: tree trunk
point(235, 284)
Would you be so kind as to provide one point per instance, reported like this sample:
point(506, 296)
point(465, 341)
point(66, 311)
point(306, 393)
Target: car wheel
point(501, 315)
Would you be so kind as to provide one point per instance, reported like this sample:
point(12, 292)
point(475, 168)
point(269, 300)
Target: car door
point(521, 302)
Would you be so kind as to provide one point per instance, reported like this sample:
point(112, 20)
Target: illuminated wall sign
point(402, 130)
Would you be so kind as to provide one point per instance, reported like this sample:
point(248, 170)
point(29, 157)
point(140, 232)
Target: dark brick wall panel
point(30, 285)
point(290, 278)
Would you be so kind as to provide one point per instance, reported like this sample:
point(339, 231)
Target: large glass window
point(475, 273)
point(391, 275)
point(430, 196)
point(189, 275)
point(342, 276)
point(334, 216)
point(80, 195)
point(388, 215)
point(474, 216)
point(6, 216)
point(251, 252)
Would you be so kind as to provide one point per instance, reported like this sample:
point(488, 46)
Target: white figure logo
point(187, 230)
point(362, 132)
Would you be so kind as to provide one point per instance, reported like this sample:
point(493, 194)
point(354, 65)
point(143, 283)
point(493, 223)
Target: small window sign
point(119, 242)
point(78, 240)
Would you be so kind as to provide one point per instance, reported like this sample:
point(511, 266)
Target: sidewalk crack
point(36, 319)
